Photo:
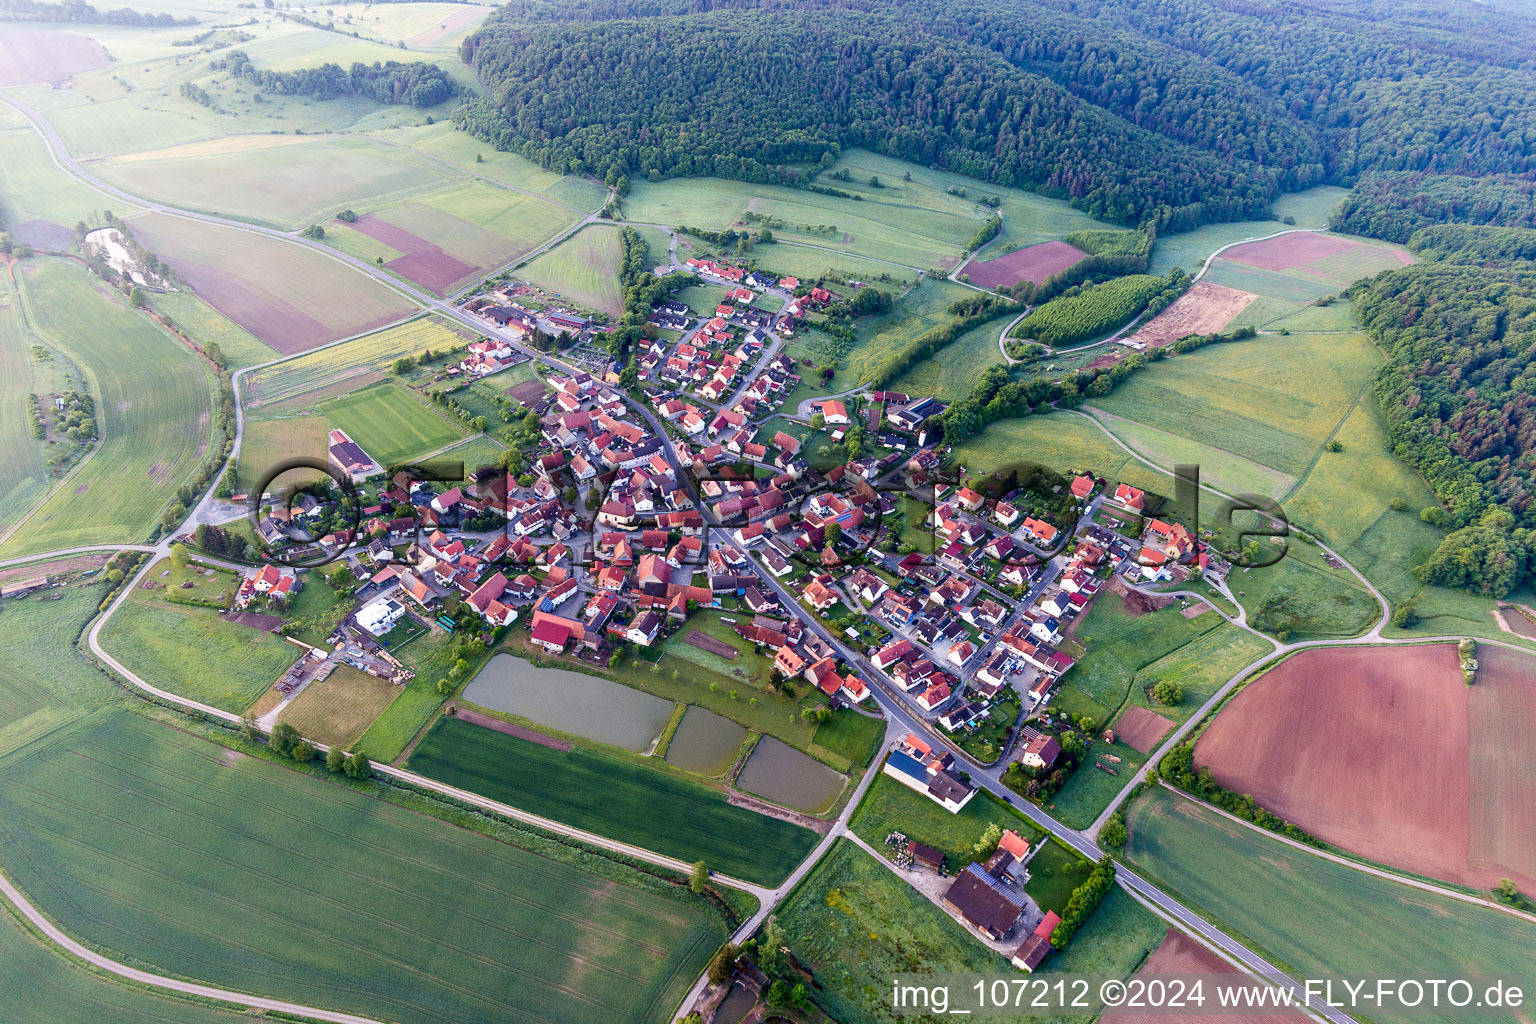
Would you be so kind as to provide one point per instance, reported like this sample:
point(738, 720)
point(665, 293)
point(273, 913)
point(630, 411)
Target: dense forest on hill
point(1460, 398)
point(1171, 111)
point(1394, 206)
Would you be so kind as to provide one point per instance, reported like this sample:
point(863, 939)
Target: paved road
point(191, 988)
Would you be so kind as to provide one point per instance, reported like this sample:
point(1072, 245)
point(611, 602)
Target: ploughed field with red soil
point(1180, 955)
point(1386, 753)
point(426, 264)
point(1205, 309)
point(1033, 263)
point(28, 56)
point(1141, 728)
point(1287, 251)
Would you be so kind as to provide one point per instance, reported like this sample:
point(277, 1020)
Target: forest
point(418, 83)
point(1163, 112)
point(1394, 206)
point(1459, 392)
point(80, 12)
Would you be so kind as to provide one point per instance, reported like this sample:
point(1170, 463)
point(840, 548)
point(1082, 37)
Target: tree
point(179, 555)
point(770, 951)
point(284, 737)
point(1506, 891)
point(137, 297)
point(336, 759)
point(698, 877)
point(818, 421)
point(249, 730)
point(987, 844)
point(832, 532)
point(778, 993)
point(314, 231)
point(723, 964)
point(444, 687)
point(1168, 691)
point(1113, 833)
point(359, 767)
point(302, 752)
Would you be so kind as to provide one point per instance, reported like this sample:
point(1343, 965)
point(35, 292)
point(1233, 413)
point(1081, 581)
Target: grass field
point(925, 307)
point(145, 840)
point(442, 141)
point(356, 359)
point(36, 189)
point(430, 657)
point(1310, 209)
point(613, 796)
point(480, 224)
point(1303, 598)
point(1315, 916)
point(1201, 666)
point(289, 296)
point(24, 474)
point(583, 269)
point(232, 665)
point(153, 409)
point(43, 683)
point(284, 181)
point(888, 807)
point(1121, 644)
point(954, 369)
point(857, 925)
point(390, 424)
point(1272, 401)
point(339, 708)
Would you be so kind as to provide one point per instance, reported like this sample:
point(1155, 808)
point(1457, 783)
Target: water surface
point(779, 772)
point(573, 702)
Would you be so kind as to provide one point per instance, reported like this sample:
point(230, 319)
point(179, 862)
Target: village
point(888, 582)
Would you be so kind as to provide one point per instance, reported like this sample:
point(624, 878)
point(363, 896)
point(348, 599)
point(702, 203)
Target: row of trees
point(81, 12)
point(970, 314)
point(417, 83)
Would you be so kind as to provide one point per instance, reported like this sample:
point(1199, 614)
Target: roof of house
point(984, 901)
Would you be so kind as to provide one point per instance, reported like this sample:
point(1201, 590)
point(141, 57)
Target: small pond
point(735, 1006)
point(779, 772)
point(572, 702)
point(705, 742)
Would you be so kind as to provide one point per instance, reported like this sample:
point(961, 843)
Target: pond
point(705, 742)
point(735, 1006)
point(779, 772)
point(573, 702)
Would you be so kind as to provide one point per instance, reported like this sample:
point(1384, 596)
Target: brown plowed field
point(1288, 251)
point(1205, 309)
point(1141, 728)
point(1033, 263)
point(426, 264)
point(1385, 752)
point(28, 56)
point(1179, 954)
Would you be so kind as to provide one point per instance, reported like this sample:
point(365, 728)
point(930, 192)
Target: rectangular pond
point(572, 702)
point(705, 742)
point(777, 771)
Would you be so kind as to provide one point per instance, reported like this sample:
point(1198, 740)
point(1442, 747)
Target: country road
point(899, 719)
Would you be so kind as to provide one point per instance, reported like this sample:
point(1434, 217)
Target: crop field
point(153, 407)
point(1315, 916)
point(339, 708)
point(142, 839)
point(1351, 765)
point(1033, 263)
point(954, 369)
point(1219, 468)
point(857, 925)
point(44, 684)
point(615, 797)
point(289, 296)
point(271, 440)
point(1178, 954)
point(418, 24)
point(583, 269)
point(1205, 309)
point(360, 359)
point(206, 325)
point(1309, 209)
point(285, 181)
point(450, 237)
point(30, 56)
point(233, 666)
point(389, 424)
point(443, 141)
point(1303, 267)
point(888, 807)
point(24, 475)
point(1270, 400)
point(809, 264)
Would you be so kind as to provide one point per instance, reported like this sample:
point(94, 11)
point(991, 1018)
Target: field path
point(191, 988)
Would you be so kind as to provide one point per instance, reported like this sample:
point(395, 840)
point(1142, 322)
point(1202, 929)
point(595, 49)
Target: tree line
point(417, 83)
point(80, 12)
